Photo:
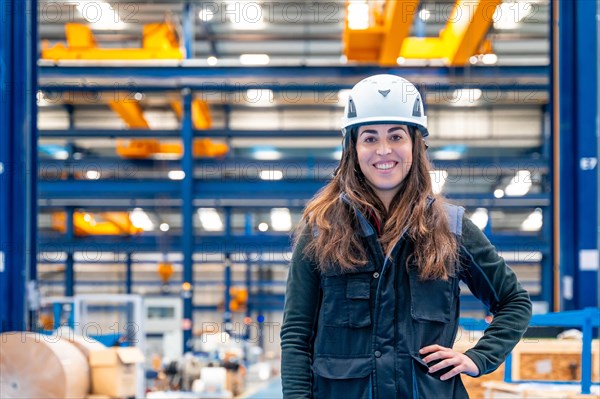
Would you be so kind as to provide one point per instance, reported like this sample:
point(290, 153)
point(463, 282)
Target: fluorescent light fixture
point(100, 14)
point(254, 59)
point(438, 179)
point(424, 14)
point(271, 174)
point(489, 59)
point(263, 226)
point(281, 219)
point(519, 185)
point(499, 193)
point(343, 96)
point(92, 174)
point(141, 220)
point(164, 227)
point(212, 60)
point(206, 14)
point(210, 219)
point(509, 14)
point(480, 218)
point(358, 15)
point(259, 97)
point(534, 221)
point(245, 15)
point(266, 154)
point(176, 174)
point(466, 97)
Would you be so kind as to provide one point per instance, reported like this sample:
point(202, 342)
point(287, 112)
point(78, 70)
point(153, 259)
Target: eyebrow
point(390, 130)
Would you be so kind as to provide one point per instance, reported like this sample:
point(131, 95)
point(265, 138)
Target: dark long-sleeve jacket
point(358, 335)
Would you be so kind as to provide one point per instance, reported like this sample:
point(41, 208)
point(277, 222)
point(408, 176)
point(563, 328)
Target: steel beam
point(18, 143)
point(577, 153)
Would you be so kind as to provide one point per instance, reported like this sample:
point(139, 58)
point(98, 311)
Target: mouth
point(385, 165)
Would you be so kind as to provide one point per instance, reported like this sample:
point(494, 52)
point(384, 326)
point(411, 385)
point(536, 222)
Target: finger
point(431, 348)
point(455, 371)
point(442, 354)
point(443, 364)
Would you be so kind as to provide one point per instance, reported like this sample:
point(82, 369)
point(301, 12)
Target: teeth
point(385, 166)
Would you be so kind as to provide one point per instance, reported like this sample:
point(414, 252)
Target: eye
point(396, 137)
point(370, 139)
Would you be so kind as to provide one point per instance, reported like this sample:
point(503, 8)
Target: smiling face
point(384, 154)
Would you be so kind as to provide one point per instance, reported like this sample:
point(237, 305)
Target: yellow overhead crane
point(131, 112)
point(386, 38)
point(159, 42)
point(104, 223)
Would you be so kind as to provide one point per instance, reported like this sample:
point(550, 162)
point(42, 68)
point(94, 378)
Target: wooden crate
point(502, 390)
point(552, 360)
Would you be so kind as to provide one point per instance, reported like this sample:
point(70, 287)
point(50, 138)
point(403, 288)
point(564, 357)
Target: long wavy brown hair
point(337, 244)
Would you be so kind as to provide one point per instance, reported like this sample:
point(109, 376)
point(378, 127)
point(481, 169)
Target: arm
point(496, 286)
point(299, 319)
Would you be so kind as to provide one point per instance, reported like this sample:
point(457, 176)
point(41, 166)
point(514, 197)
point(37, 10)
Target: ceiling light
point(400, 60)
point(164, 227)
point(424, 14)
point(266, 154)
point(263, 227)
point(508, 15)
point(480, 218)
point(210, 219)
point(176, 174)
point(281, 219)
point(271, 174)
point(499, 193)
point(141, 220)
point(206, 14)
point(520, 184)
point(138, 96)
point(254, 59)
point(465, 97)
point(343, 59)
point(212, 60)
point(92, 174)
point(100, 15)
point(534, 221)
point(438, 179)
point(87, 217)
point(259, 97)
point(358, 15)
point(489, 59)
point(473, 59)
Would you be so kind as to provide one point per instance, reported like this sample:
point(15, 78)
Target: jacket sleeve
point(496, 286)
point(299, 320)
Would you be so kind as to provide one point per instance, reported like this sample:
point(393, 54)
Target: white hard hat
point(382, 99)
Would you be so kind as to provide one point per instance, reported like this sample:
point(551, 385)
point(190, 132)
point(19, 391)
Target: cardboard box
point(114, 371)
point(502, 390)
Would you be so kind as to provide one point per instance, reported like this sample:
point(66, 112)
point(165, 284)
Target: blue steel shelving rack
point(577, 190)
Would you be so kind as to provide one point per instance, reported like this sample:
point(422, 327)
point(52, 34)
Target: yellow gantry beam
point(159, 42)
point(131, 112)
point(387, 39)
point(105, 223)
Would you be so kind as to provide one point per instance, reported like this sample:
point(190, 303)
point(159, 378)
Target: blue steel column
point(18, 146)
point(187, 240)
point(578, 153)
point(69, 264)
point(128, 273)
point(188, 29)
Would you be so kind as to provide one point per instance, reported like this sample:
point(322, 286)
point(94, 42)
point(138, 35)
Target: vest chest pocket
point(346, 300)
point(432, 300)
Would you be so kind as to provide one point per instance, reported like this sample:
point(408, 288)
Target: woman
point(372, 301)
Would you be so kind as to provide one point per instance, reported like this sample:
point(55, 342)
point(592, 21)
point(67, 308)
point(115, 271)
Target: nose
point(384, 148)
